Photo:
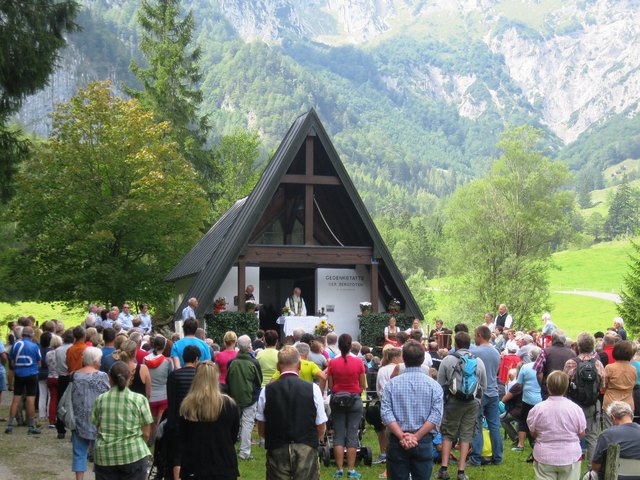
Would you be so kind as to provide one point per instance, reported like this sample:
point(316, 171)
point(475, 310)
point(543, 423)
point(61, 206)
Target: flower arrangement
point(250, 305)
point(219, 305)
point(286, 311)
point(365, 307)
point(394, 305)
point(323, 328)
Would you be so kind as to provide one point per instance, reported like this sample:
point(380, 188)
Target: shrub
point(372, 327)
point(243, 323)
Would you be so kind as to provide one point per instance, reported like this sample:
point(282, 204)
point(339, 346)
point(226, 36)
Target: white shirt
point(508, 321)
point(145, 323)
point(492, 325)
point(187, 313)
point(293, 309)
point(321, 416)
point(384, 375)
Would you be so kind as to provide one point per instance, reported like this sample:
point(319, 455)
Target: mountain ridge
point(419, 90)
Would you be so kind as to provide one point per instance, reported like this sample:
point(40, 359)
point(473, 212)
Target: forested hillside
point(414, 94)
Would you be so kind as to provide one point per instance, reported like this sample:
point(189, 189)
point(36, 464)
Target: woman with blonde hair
point(140, 380)
point(224, 357)
point(209, 427)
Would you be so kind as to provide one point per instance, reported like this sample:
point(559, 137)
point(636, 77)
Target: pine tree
point(629, 309)
point(584, 196)
point(31, 35)
point(622, 216)
point(171, 79)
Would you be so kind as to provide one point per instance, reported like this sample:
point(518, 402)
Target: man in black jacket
point(291, 419)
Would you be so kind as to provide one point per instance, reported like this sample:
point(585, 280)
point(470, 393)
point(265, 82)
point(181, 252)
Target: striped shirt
point(120, 416)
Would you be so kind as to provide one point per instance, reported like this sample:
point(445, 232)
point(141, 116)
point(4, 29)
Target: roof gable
point(215, 254)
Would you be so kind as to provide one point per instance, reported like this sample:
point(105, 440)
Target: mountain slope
point(414, 92)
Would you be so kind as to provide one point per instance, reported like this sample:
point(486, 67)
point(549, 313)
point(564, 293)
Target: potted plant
point(394, 306)
point(250, 306)
point(286, 312)
point(365, 308)
point(323, 328)
point(219, 305)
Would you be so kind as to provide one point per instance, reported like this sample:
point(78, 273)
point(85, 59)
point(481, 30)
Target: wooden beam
point(311, 179)
point(242, 280)
point(296, 254)
point(308, 156)
point(374, 286)
point(308, 215)
point(308, 194)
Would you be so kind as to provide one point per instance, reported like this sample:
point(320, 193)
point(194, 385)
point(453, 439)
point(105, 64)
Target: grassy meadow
point(600, 268)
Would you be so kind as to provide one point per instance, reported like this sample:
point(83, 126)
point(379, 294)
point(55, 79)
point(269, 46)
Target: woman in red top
point(346, 377)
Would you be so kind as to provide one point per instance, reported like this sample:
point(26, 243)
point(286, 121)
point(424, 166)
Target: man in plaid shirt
point(412, 410)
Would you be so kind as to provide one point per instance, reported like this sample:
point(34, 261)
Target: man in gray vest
point(291, 419)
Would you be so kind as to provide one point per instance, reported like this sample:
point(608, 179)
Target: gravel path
point(612, 297)
point(34, 456)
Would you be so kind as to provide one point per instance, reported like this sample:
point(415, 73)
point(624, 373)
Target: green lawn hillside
point(597, 270)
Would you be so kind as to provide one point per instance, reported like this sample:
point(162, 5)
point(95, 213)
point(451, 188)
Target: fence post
point(611, 470)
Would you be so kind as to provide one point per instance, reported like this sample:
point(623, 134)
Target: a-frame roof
point(214, 255)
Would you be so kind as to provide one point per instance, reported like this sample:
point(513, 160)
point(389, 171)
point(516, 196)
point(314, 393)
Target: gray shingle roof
point(214, 255)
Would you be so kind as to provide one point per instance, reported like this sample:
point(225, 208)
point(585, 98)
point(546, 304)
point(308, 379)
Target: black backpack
point(585, 387)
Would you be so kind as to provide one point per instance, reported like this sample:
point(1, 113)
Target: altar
point(290, 323)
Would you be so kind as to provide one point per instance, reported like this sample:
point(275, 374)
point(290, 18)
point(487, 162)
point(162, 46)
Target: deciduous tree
point(500, 230)
point(106, 207)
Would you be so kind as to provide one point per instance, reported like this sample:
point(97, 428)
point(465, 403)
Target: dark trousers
point(417, 461)
point(131, 471)
point(63, 382)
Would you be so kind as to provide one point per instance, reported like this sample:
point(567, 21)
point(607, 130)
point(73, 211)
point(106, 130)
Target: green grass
point(41, 311)
point(600, 199)
point(577, 313)
point(599, 268)
point(513, 466)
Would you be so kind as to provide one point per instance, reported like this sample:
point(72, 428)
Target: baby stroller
point(325, 450)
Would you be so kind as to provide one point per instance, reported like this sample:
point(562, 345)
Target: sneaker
point(337, 474)
point(34, 431)
point(443, 475)
point(462, 476)
point(353, 474)
point(382, 458)
point(61, 436)
point(9, 429)
point(52, 426)
point(517, 449)
point(250, 457)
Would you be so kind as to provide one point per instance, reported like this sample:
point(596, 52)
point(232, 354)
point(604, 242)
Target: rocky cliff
point(565, 65)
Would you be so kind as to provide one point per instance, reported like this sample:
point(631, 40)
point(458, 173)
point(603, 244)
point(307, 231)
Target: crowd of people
point(120, 388)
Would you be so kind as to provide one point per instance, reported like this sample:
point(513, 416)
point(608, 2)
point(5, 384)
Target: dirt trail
point(612, 297)
point(30, 457)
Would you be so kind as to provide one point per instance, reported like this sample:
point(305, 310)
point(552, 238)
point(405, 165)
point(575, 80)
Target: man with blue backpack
point(463, 379)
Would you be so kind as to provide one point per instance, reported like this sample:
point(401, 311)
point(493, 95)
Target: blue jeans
point(80, 448)
point(417, 461)
point(489, 409)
